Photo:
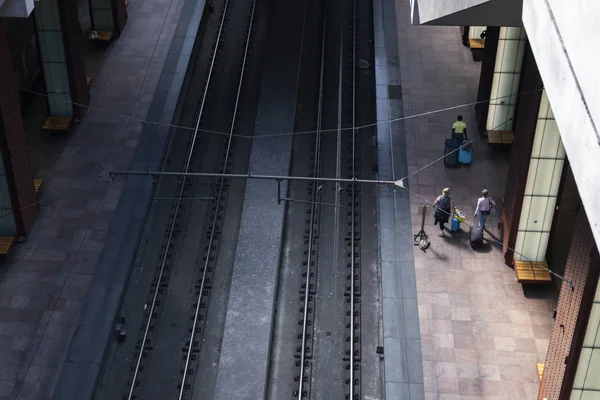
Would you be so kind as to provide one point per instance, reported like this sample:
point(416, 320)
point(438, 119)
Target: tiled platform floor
point(482, 332)
point(44, 281)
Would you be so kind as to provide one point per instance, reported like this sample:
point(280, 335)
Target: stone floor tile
point(447, 385)
point(445, 370)
point(492, 326)
point(466, 356)
point(470, 387)
point(490, 372)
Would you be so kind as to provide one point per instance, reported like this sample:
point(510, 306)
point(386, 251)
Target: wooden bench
point(104, 36)
point(89, 80)
point(500, 137)
point(476, 44)
point(57, 124)
point(532, 272)
point(37, 184)
point(5, 245)
point(540, 371)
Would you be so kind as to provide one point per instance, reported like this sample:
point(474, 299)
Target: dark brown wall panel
point(486, 76)
point(571, 312)
point(119, 15)
point(587, 301)
point(13, 144)
point(69, 21)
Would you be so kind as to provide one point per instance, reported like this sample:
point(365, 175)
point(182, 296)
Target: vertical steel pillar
point(62, 58)
point(486, 76)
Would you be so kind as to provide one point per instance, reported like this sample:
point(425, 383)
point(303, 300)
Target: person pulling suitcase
point(443, 209)
point(459, 129)
point(484, 206)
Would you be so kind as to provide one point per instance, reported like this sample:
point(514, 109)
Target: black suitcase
point(451, 152)
point(476, 236)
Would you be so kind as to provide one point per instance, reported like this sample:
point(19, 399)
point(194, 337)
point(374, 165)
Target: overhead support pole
point(398, 183)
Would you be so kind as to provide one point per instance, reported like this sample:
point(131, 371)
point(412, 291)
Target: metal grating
point(569, 302)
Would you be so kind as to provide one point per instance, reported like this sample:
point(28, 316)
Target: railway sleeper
point(301, 310)
point(308, 336)
point(308, 322)
point(200, 318)
point(349, 289)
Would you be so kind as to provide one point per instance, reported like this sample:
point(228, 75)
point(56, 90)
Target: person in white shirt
point(484, 205)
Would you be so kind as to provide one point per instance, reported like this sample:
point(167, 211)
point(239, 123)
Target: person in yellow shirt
point(459, 129)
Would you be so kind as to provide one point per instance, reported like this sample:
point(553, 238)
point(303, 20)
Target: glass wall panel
point(7, 221)
point(475, 31)
point(592, 378)
point(591, 335)
point(52, 54)
point(541, 188)
point(505, 82)
point(587, 377)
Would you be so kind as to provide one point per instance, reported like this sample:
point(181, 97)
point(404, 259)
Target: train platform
point(481, 332)
point(60, 289)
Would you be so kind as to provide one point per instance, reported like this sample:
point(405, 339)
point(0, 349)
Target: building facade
point(41, 51)
point(538, 98)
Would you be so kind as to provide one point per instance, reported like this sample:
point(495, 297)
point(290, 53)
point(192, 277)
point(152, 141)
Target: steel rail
point(217, 201)
point(313, 209)
point(353, 200)
point(178, 202)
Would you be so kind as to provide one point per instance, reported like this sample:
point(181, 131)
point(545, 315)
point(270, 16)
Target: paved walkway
point(481, 332)
point(45, 281)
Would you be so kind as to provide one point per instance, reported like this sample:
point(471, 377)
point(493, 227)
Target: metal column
point(62, 58)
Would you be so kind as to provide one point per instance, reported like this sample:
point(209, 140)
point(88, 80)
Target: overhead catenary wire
point(332, 130)
point(352, 129)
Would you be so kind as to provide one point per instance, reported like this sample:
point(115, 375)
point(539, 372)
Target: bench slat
point(500, 137)
point(37, 184)
point(5, 244)
point(57, 124)
point(476, 43)
point(532, 272)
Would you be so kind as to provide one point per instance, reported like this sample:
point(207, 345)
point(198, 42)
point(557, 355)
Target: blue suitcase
point(455, 225)
point(465, 156)
point(450, 153)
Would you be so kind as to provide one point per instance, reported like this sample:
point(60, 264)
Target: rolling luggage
point(450, 155)
point(465, 155)
point(455, 225)
point(476, 236)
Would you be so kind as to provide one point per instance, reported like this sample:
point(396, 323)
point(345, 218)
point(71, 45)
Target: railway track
point(192, 346)
point(353, 287)
point(317, 348)
point(327, 352)
point(154, 369)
